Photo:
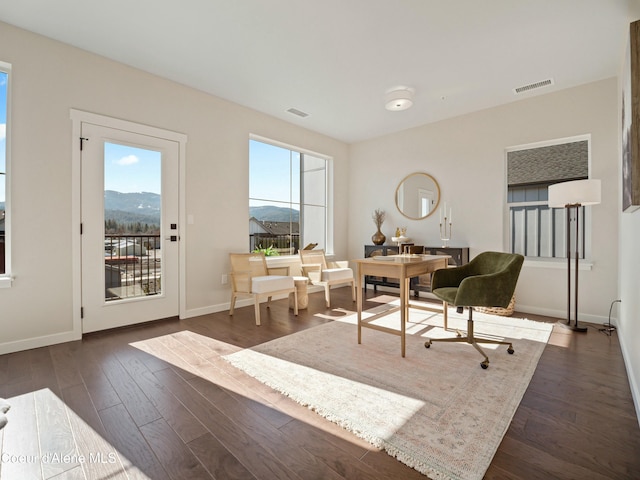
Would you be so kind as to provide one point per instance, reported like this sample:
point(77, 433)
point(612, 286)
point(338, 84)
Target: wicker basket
point(504, 312)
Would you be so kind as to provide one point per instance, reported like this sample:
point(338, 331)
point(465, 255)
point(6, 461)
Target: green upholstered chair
point(489, 280)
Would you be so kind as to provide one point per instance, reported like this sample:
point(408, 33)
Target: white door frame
point(77, 118)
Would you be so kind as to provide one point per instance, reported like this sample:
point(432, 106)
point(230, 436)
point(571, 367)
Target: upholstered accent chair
point(250, 277)
point(320, 272)
point(489, 280)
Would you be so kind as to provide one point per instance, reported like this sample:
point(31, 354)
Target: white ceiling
point(336, 59)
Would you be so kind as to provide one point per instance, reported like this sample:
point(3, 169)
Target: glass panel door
point(130, 236)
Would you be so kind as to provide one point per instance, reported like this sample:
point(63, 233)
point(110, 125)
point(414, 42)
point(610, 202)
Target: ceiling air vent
point(533, 86)
point(297, 112)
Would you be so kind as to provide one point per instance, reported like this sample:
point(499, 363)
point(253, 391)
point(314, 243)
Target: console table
point(459, 255)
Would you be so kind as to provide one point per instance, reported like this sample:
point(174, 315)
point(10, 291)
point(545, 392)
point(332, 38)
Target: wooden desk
point(402, 267)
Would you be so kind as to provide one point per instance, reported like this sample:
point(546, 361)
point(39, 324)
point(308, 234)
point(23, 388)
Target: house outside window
point(287, 198)
point(5, 70)
point(535, 230)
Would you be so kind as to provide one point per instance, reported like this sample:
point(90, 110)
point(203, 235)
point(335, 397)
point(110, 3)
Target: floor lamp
point(572, 196)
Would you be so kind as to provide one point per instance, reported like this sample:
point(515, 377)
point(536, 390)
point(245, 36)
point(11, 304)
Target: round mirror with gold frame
point(418, 196)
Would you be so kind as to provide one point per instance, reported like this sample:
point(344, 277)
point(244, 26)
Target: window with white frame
point(287, 198)
point(5, 70)
point(535, 230)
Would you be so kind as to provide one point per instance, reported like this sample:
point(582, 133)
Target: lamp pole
point(576, 327)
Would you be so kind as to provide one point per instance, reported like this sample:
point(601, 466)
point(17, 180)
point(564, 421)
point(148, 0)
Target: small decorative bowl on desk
point(400, 240)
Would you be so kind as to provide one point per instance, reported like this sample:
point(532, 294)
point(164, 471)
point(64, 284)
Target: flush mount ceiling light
point(400, 99)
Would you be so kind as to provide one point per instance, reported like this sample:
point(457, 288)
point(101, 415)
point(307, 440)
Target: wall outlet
point(225, 279)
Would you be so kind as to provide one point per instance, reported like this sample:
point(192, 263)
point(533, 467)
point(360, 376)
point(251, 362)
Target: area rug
point(435, 410)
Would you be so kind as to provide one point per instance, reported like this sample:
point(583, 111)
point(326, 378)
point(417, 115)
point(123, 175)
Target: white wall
point(467, 156)
point(50, 78)
point(629, 270)
point(629, 309)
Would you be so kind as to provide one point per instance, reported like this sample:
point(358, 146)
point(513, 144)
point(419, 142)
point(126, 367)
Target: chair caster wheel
point(510, 350)
point(427, 344)
point(484, 365)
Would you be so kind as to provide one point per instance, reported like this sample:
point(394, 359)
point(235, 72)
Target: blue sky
point(129, 169)
point(3, 125)
point(271, 172)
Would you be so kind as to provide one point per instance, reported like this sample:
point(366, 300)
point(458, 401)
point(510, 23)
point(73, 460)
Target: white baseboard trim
point(245, 302)
point(197, 312)
point(548, 312)
point(37, 342)
point(562, 315)
point(631, 375)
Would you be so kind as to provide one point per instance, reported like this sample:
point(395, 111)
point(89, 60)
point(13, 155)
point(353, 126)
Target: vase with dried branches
point(378, 238)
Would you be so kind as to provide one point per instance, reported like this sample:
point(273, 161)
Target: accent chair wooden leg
point(353, 290)
point(257, 310)
point(233, 303)
point(327, 297)
point(295, 302)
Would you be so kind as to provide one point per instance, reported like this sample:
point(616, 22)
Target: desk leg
point(407, 298)
point(403, 311)
point(445, 314)
point(359, 295)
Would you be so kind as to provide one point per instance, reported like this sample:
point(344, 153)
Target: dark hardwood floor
point(157, 401)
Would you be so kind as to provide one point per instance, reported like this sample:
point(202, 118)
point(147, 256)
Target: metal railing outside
point(133, 266)
point(2, 254)
point(283, 244)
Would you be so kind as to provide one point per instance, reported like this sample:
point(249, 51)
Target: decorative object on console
point(571, 196)
point(401, 231)
point(445, 235)
point(378, 216)
point(400, 237)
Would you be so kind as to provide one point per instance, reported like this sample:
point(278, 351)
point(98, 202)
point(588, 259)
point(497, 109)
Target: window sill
point(560, 263)
point(281, 259)
point(5, 281)
point(287, 259)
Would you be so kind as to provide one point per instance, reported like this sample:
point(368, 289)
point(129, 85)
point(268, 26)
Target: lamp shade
point(577, 192)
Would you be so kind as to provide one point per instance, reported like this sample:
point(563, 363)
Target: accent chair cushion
point(271, 283)
point(337, 274)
